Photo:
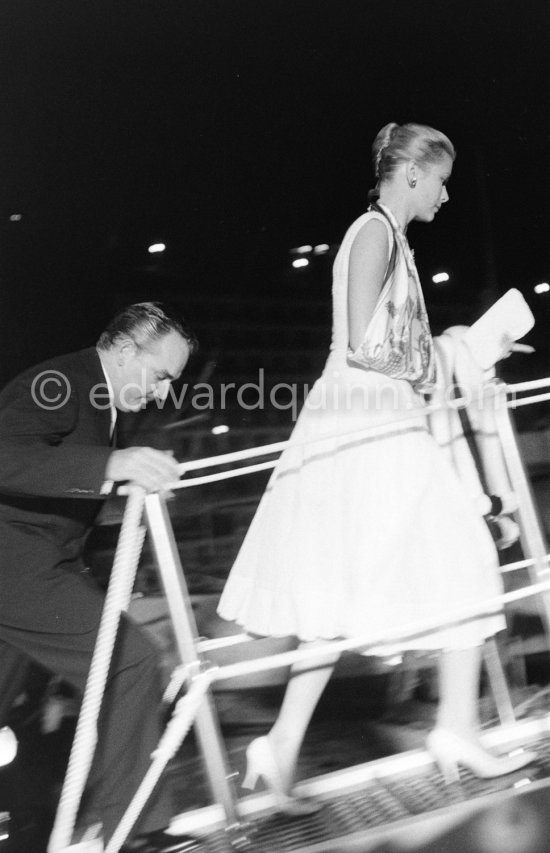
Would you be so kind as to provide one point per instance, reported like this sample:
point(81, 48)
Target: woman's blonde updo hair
point(396, 143)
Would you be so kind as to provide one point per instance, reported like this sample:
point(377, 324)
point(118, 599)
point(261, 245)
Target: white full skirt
point(364, 528)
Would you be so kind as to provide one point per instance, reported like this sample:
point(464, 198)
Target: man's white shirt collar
point(111, 392)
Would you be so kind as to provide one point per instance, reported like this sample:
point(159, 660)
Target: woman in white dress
point(364, 527)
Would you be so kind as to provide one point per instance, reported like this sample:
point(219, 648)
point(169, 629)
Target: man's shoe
point(162, 842)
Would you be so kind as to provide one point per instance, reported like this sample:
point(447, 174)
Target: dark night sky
point(235, 129)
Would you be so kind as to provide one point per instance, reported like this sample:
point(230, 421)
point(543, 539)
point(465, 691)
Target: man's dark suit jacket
point(54, 446)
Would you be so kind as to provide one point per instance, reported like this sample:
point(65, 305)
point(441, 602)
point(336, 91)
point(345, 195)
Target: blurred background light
point(300, 262)
point(220, 429)
point(543, 287)
point(440, 277)
point(156, 248)
point(321, 248)
point(301, 250)
point(16, 217)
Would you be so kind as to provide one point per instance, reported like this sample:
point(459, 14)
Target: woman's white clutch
point(490, 337)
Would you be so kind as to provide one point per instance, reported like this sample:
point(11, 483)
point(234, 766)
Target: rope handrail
point(223, 475)
point(528, 385)
point(117, 599)
point(330, 647)
point(401, 420)
point(209, 645)
point(126, 558)
point(277, 446)
point(526, 401)
point(206, 645)
point(83, 746)
point(172, 738)
point(189, 705)
point(522, 564)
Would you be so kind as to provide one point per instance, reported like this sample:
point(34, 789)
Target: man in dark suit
point(57, 463)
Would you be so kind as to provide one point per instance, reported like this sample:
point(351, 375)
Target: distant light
point(440, 277)
point(16, 217)
point(8, 747)
point(220, 429)
point(300, 262)
point(543, 287)
point(155, 248)
point(321, 248)
point(301, 250)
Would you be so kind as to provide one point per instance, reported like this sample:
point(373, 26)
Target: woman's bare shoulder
point(371, 236)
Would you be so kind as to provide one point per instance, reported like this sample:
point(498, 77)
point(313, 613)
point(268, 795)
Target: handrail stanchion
point(186, 637)
point(531, 535)
point(498, 682)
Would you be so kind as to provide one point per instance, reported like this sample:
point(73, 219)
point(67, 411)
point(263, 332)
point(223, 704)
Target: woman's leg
point(307, 681)
point(459, 676)
point(454, 741)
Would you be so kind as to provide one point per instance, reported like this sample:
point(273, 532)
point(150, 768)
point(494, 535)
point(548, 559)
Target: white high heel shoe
point(449, 750)
point(261, 764)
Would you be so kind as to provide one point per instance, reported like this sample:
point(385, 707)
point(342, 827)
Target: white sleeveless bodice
point(398, 341)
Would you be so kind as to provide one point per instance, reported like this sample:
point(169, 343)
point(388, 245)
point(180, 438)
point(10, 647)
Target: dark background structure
point(234, 130)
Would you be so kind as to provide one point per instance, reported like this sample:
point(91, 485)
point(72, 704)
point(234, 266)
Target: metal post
point(186, 635)
point(531, 535)
point(498, 682)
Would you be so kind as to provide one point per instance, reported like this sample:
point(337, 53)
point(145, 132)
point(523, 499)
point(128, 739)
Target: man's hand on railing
point(152, 470)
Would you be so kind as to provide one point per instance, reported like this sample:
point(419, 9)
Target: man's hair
point(144, 323)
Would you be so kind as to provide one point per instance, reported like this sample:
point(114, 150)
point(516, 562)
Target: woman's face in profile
point(431, 188)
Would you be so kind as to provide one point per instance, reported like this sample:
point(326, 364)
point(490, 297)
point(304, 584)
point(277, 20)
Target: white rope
point(189, 705)
point(530, 385)
point(171, 740)
point(223, 642)
point(401, 420)
point(117, 599)
point(209, 645)
point(175, 735)
point(526, 401)
point(413, 629)
point(118, 596)
point(224, 475)
point(180, 674)
point(522, 564)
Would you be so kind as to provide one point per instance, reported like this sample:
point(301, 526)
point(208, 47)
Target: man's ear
point(125, 350)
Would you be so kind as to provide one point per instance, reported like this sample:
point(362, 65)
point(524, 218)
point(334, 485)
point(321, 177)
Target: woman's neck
point(395, 203)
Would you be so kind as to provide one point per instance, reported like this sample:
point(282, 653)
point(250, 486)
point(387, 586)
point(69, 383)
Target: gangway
point(401, 799)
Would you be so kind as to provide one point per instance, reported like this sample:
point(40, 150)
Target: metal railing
point(195, 707)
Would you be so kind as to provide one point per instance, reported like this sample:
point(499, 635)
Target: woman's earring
point(412, 182)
